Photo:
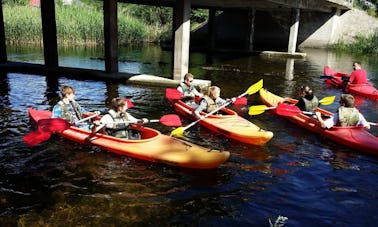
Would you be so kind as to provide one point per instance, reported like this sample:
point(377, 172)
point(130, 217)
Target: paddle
point(171, 120)
point(179, 132)
point(173, 93)
point(47, 126)
point(259, 109)
point(327, 77)
point(129, 103)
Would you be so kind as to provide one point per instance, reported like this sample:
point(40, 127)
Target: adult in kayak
point(347, 115)
point(210, 102)
point(307, 101)
point(358, 76)
point(188, 90)
point(117, 121)
point(68, 109)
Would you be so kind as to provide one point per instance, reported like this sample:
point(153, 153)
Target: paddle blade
point(327, 100)
point(178, 132)
point(172, 120)
point(173, 93)
point(258, 109)
point(326, 77)
point(255, 87)
point(240, 101)
point(36, 137)
point(328, 71)
point(284, 109)
point(129, 103)
point(53, 125)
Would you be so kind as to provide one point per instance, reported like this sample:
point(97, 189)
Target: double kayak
point(153, 146)
point(335, 79)
point(355, 137)
point(228, 124)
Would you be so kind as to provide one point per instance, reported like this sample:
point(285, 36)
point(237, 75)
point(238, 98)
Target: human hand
point(145, 120)
point(231, 100)
point(97, 112)
point(97, 123)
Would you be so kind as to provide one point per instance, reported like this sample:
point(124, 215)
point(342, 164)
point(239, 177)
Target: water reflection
point(289, 73)
point(4, 91)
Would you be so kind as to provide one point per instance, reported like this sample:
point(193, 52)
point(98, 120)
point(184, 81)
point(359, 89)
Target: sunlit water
point(298, 175)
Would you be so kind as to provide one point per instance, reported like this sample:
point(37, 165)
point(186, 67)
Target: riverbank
point(76, 25)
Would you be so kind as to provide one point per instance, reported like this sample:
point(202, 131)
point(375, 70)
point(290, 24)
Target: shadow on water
point(299, 175)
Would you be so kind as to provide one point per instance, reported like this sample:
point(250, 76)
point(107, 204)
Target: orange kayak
point(355, 137)
point(153, 147)
point(229, 124)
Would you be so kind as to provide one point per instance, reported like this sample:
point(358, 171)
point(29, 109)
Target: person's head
point(119, 105)
point(188, 78)
point(67, 92)
point(213, 92)
point(356, 65)
point(306, 92)
point(347, 100)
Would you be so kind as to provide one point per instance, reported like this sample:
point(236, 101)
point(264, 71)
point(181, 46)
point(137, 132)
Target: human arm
point(329, 122)
point(197, 93)
point(202, 106)
point(362, 121)
point(134, 120)
point(56, 112)
point(301, 104)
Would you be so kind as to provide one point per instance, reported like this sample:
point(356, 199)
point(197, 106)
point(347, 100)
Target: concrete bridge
point(254, 23)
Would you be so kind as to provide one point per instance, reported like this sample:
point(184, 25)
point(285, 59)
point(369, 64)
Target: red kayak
point(335, 79)
point(355, 137)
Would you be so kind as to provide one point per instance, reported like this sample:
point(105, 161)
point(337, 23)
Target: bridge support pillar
point(293, 31)
point(3, 49)
point(50, 45)
point(334, 22)
point(251, 32)
point(181, 39)
point(211, 30)
point(111, 35)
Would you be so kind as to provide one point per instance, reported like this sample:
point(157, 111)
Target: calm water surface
point(298, 175)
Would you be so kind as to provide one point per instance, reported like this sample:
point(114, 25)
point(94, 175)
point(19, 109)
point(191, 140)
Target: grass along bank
point(75, 25)
point(362, 45)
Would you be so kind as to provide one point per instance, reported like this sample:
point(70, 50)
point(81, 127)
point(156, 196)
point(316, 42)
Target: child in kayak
point(188, 90)
point(347, 115)
point(68, 109)
point(117, 121)
point(211, 102)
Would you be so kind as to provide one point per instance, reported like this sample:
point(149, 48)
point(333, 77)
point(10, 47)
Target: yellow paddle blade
point(255, 87)
point(258, 109)
point(327, 100)
point(178, 132)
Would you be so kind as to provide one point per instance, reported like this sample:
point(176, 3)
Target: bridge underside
point(316, 5)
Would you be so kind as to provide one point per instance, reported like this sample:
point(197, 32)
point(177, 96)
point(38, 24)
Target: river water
point(297, 175)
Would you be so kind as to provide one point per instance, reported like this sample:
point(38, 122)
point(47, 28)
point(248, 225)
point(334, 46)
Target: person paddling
point(347, 115)
point(188, 90)
point(117, 121)
point(68, 109)
point(358, 76)
point(307, 101)
point(210, 102)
